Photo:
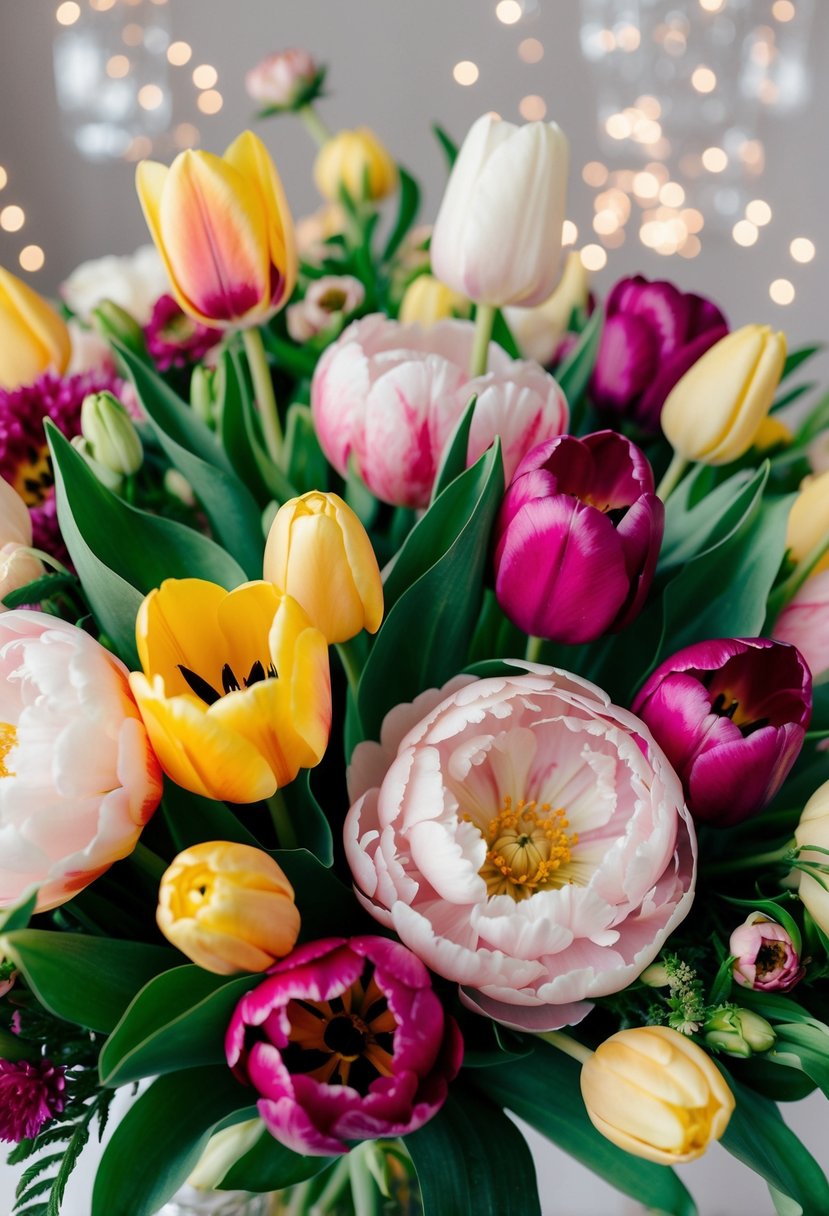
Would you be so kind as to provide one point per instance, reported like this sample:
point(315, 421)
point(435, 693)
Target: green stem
point(484, 321)
point(314, 125)
point(787, 590)
point(673, 476)
point(46, 558)
point(364, 1192)
point(351, 665)
point(533, 652)
point(774, 857)
point(338, 1180)
point(263, 391)
point(570, 1047)
point(281, 819)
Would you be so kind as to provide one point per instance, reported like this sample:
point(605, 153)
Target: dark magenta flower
point(30, 1095)
point(731, 715)
point(344, 1041)
point(577, 538)
point(652, 334)
point(174, 339)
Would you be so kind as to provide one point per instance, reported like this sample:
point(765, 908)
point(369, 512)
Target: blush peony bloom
point(731, 715)
point(524, 837)
point(30, 1095)
point(284, 80)
point(78, 779)
point(388, 397)
point(805, 623)
point(765, 957)
point(344, 1041)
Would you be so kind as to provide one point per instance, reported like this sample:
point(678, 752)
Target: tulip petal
point(627, 361)
point(34, 337)
point(176, 627)
point(248, 154)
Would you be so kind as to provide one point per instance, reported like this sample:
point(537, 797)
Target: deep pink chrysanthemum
point(30, 1095)
point(24, 455)
point(174, 339)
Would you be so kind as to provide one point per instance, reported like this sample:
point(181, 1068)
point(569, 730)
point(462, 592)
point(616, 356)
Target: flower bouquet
point(412, 704)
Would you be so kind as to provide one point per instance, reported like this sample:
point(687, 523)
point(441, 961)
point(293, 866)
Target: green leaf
point(757, 1136)
point(775, 912)
point(796, 357)
point(269, 1166)
point(142, 549)
point(233, 430)
point(407, 209)
point(305, 463)
point(425, 637)
point(40, 589)
point(86, 980)
point(191, 819)
point(19, 914)
point(692, 527)
point(322, 899)
point(810, 1048)
point(573, 375)
point(543, 1090)
point(471, 1149)
point(447, 143)
point(298, 361)
point(815, 421)
point(776, 1007)
point(194, 450)
point(503, 336)
point(177, 1020)
point(158, 1142)
point(274, 480)
point(453, 460)
point(313, 831)
point(781, 1080)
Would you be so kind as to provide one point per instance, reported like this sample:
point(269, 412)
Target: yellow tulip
point(357, 161)
point(773, 433)
point(714, 413)
point(809, 520)
point(654, 1093)
point(33, 338)
point(538, 331)
point(223, 228)
point(427, 301)
point(318, 552)
point(228, 907)
point(813, 829)
point(235, 690)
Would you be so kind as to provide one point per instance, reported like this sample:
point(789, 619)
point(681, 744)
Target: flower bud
point(18, 566)
point(714, 413)
point(765, 956)
point(813, 830)
point(738, 1032)
point(731, 715)
point(809, 521)
point(497, 237)
point(285, 80)
point(427, 301)
point(318, 552)
point(539, 331)
point(228, 907)
point(111, 434)
point(656, 976)
point(805, 623)
point(328, 301)
point(357, 162)
point(773, 433)
point(104, 474)
point(206, 392)
point(224, 1149)
point(33, 338)
point(112, 321)
point(655, 1094)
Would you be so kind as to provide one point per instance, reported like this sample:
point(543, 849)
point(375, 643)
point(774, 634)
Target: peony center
point(527, 847)
point(8, 739)
point(770, 957)
point(34, 477)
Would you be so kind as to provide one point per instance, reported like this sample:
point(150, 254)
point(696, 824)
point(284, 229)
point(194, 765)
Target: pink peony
point(805, 623)
point(525, 838)
point(30, 1095)
point(78, 779)
point(388, 396)
point(765, 957)
point(284, 79)
point(344, 1041)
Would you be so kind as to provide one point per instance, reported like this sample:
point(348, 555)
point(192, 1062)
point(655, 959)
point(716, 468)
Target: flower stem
point(570, 1047)
point(774, 857)
point(364, 1193)
point(281, 819)
point(314, 125)
point(351, 665)
point(263, 391)
point(338, 1180)
point(484, 321)
point(533, 652)
point(673, 476)
point(46, 558)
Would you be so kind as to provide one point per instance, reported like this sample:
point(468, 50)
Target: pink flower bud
point(283, 80)
point(765, 955)
point(805, 623)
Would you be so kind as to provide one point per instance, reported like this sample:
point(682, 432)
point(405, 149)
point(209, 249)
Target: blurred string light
point(465, 72)
point(12, 219)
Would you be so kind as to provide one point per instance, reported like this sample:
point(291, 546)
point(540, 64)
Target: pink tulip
point(765, 957)
point(805, 623)
point(731, 715)
point(388, 396)
point(78, 779)
point(284, 80)
point(345, 1040)
point(578, 537)
point(525, 838)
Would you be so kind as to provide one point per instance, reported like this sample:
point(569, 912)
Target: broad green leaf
point(809, 1046)
point(140, 548)
point(269, 1166)
point(191, 819)
point(407, 209)
point(573, 375)
point(18, 915)
point(40, 589)
point(158, 1142)
point(298, 361)
point(323, 901)
point(308, 819)
point(450, 148)
point(781, 1080)
point(276, 483)
point(83, 979)
point(543, 1090)
point(453, 460)
point(425, 637)
point(777, 1007)
point(815, 421)
point(692, 528)
point(471, 1152)
point(230, 507)
point(233, 430)
point(795, 357)
point(503, 336)
point(757, 1136)
point(305, 463)
point(177, 1020)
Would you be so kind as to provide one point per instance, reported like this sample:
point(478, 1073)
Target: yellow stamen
point(527, 846)
point(8, 739)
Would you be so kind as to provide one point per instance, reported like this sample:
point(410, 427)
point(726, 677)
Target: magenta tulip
point(344, 1041)
point(578, 537)
point(764, 955)
point(652, 334)
point(731, 715)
